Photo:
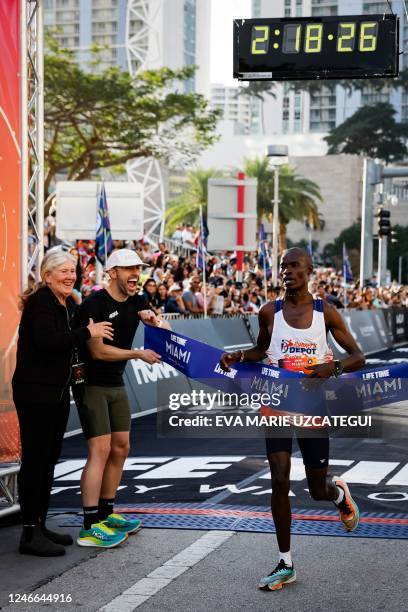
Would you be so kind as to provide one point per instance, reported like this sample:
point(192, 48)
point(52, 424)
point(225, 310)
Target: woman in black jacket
point(45, 356)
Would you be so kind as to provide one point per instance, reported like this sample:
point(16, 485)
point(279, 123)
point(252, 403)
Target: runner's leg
point(279, 463)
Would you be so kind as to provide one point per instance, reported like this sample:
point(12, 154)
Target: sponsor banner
point(148, 385)
point(369, 329)
point(397, 322)
point(10, 219)
point(276, 393)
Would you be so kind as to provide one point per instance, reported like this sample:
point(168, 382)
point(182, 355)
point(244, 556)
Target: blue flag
point(202, 243)
point(347, 273)
point(263, 257)
point(103, 241)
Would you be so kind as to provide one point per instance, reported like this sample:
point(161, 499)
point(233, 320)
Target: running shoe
point(282, 574)
point(348, 509)
point(119, 523)
point(100, 536)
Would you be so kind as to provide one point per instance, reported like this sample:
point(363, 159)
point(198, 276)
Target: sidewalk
point(219, 572)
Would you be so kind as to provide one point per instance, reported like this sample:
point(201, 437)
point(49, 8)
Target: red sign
point(10, 218)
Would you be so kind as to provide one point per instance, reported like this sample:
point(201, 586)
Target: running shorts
point(102, 410)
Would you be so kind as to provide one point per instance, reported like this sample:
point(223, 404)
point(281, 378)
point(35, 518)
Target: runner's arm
point(256, 353)
point(336, 325)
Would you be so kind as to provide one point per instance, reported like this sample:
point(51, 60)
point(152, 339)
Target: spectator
point(187, 237)
point(189, 297)
point(150, 294)
point(162, 297)
point(175, 302)
point(46, 349)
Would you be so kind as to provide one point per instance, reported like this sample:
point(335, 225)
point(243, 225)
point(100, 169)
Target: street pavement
point(339, 574)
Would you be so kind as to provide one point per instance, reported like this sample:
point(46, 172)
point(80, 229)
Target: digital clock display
point(316, 47)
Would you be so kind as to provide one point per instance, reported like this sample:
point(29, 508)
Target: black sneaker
point(34, 542)
point(58, 538)
point(282, 574)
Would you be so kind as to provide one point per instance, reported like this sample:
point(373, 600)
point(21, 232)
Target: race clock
point(352, 46)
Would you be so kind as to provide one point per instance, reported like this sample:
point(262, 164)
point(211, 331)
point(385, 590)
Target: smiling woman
point(45, 358)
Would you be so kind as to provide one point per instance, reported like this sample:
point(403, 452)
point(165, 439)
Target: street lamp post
point(280, 151)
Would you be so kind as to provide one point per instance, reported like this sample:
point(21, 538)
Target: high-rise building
point(236, 108)
point(301, 113)
point(137, 34)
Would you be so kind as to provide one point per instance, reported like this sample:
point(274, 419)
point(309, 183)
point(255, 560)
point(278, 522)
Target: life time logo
point(231, 374)
point(292, 347)
point(176, 349)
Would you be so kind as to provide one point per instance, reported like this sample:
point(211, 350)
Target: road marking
point(369, 472)
point(162, 576)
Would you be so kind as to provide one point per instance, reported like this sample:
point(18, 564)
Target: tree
point(298, 196)
point(371, 131)
point(186, 207)
point(96, 120)
point(333, 252)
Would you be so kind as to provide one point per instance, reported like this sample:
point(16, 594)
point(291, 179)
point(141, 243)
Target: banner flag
point(10, 215)
point(103, 241)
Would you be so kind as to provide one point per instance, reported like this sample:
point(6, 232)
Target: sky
point(223, 13)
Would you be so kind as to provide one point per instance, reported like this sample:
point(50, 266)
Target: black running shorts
point(314, 444)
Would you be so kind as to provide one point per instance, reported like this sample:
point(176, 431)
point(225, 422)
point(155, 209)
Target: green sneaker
point(100, 536)
point(120, 524)
point(282, 574)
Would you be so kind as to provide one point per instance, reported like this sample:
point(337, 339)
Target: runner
point(103, 405)
point(300, 323)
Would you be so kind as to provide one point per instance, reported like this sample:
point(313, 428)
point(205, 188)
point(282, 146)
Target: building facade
point(137, 34)
point(301, 113)
point(236, 108)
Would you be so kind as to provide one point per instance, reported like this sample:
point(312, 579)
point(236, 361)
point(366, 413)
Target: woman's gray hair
point(52, 259)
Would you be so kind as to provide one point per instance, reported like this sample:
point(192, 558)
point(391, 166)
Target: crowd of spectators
point(172, 283)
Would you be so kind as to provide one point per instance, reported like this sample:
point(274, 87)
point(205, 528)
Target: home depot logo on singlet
point(297, 355)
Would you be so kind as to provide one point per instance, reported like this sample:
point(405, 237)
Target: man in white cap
point(102, 402)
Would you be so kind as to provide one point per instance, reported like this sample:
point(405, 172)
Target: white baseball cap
point(175, 287)
point(124, 258)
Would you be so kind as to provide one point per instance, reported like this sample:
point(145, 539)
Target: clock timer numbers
point(368, 36)
point(260, 40)
point(291, 38)
point(346, 35)
point(314, 38)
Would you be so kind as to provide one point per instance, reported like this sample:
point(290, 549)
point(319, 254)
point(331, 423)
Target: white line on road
point(159, 578)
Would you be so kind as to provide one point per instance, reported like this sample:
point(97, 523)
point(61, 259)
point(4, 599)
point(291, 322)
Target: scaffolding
point(142, 47)
point(32, 139)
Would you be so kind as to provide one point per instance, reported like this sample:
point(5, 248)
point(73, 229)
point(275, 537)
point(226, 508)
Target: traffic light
point(383, 222)
point(394, 236)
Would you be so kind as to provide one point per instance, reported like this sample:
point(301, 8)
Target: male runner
point(301, 323)
point(103, 404)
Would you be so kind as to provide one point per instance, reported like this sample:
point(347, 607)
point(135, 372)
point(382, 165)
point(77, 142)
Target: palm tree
point(298, 196)
point(186, 207)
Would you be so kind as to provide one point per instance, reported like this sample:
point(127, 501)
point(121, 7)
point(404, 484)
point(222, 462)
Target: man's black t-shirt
point(100, 306)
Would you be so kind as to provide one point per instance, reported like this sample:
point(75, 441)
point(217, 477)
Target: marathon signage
point(397, 321)
point(351, 393)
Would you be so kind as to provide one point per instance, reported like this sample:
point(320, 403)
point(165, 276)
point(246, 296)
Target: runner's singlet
point(296, 349)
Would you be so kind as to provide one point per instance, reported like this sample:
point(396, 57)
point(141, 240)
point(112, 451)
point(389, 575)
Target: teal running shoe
point(120, 524)
point(282, 574)
point(100, 536)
